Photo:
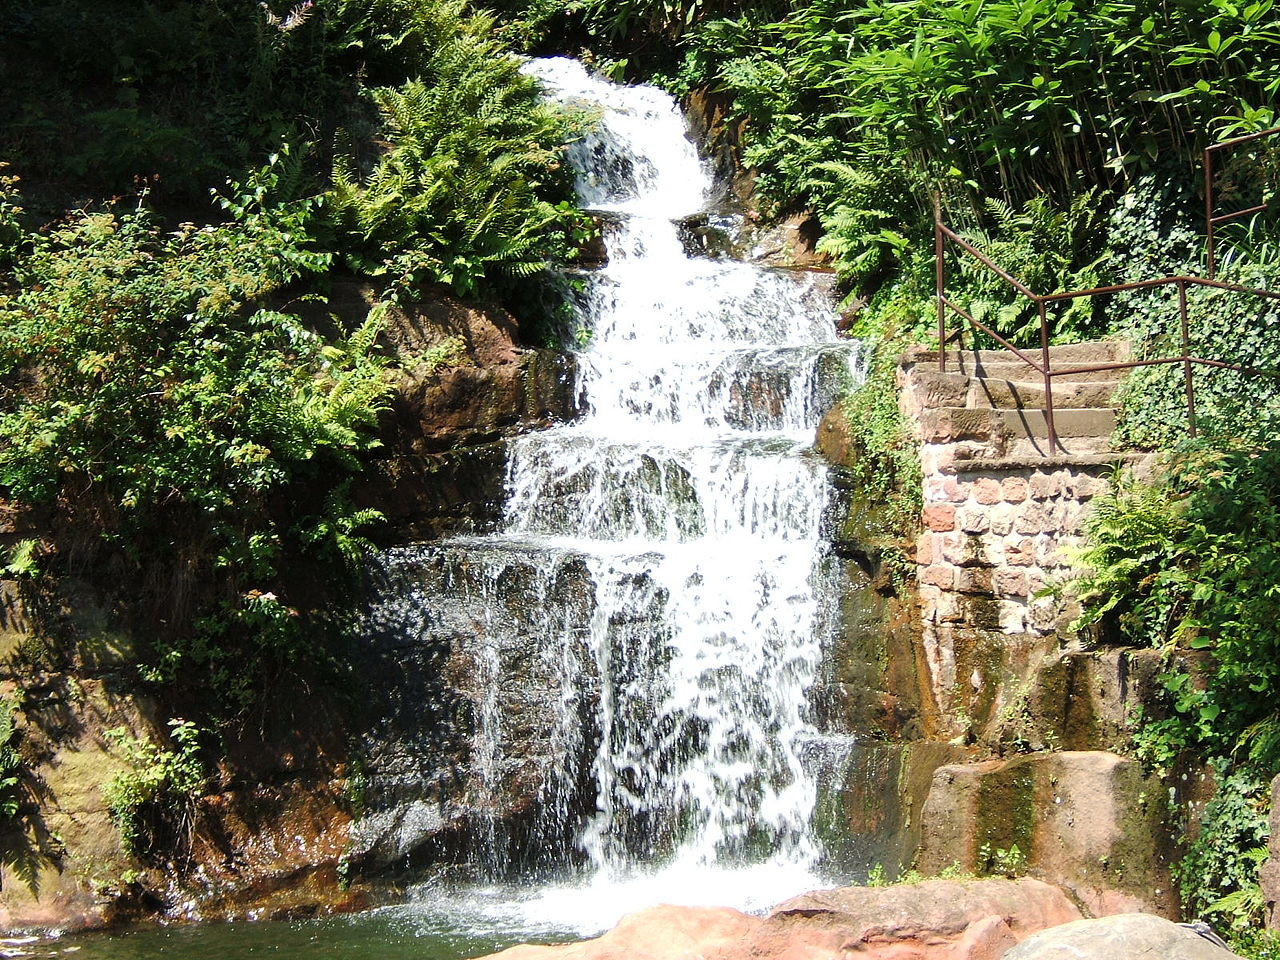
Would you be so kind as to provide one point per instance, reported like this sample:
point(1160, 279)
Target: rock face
point(935, 920)
point(274, 837)
point(465, 387)
point(1269, 875)
point(1126, 935)
point(1086, 820)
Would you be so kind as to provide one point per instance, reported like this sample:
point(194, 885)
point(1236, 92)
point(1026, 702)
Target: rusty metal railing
point(1211, 217)
point(944, 235)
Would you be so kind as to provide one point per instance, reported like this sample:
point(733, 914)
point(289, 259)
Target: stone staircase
point(986, 412)
point(1001, 510)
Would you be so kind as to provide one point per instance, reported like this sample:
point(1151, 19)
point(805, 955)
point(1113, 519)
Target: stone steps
point(949, 424)
point(987, 409)
point(978, 392)
point(1071, 354)
point(1003, 365)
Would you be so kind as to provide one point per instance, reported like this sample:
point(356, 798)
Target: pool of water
point(443, 921)
point(392, 933)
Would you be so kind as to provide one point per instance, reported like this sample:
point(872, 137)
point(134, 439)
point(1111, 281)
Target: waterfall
point(661, 566)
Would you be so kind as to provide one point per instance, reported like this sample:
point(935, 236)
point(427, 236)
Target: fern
point(463, 197)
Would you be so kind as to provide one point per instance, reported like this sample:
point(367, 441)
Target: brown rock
point(1089, 821)
point(940, 517)
point(1126, 935)
point(934, 920)
point(1269, 875)
point(658, 933)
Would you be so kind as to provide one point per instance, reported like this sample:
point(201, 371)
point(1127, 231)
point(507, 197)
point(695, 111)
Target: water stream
point(651, 612)
point(663, 556)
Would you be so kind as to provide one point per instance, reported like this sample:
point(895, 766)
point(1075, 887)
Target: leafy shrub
point(458, 198)
point(155, 800)
point(1149, 237)
point(1190, 564)
point(147, 387)
point(885, 465)
point(1218, 876)
point(861, 113)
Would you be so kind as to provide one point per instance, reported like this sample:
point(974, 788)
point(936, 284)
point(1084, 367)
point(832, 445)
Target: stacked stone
point(992, 542)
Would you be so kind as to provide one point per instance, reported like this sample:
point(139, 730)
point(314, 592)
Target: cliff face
point(272, 837)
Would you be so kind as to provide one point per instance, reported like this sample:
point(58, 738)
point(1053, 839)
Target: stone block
point(1002, 516)
point(966, 550)
point(1043, 486)
point(937, 458)
point(1020, 552)
point(941, 489)
point(986, 490)
point(973, 520)
point(1034, 518)
point(1014, 489)
point(947, 609)
point(1013, 616)
point(1011, 583)
point(940, 517)
point(938, 575)
point(924, 549)
point(973, 580)
point(1088, 820)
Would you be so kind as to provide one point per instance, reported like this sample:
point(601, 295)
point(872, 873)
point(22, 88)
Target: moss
point(1007, 810)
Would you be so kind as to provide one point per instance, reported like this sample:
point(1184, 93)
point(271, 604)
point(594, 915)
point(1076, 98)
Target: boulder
point(933, 920)
point(1123, 935)
point(658, 933)
point(1089, 821)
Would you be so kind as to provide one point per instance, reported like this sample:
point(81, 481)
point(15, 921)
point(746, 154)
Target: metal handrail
point(944, 234)
point(1211, 218)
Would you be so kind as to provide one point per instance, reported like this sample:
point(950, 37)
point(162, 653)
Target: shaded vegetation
point(160, 389)
point(1190, 565)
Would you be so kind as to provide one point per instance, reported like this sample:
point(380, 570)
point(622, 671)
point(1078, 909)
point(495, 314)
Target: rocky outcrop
point(466, 385)
point(273, 838)
point(1269, 875)
point(934, 920)
point(1127, 935)
point(1090, 822)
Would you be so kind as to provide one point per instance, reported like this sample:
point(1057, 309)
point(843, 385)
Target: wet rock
point(1126, 935)
point(935, 920)
point(1089, 821)
point(1080, 700)
point(791, 244)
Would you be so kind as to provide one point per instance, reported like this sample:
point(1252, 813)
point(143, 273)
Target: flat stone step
point(1068, 354)
point(1004, 365)
point(934, 389)
point(1025, 458)
point(950, 424)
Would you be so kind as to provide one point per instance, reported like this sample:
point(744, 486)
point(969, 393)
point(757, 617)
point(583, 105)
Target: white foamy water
point(665, 553)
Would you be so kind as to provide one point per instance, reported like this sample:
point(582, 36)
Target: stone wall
point(996, 537)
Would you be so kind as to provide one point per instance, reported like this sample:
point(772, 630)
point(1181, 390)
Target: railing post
point(1210, 252)
point(1187, 372)
point(942, 308)
point(1048, 379)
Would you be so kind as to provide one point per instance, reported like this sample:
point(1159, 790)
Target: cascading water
point(663, 555)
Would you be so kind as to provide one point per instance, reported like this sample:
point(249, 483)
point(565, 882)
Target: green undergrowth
point(883, 464)
point(153, 801)
point(1189, 564)
point(155, 390)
